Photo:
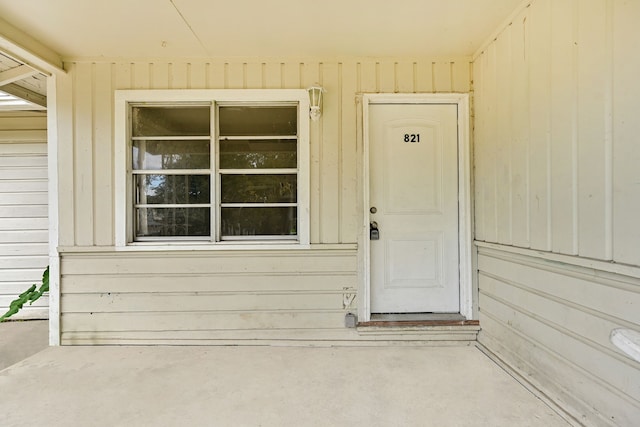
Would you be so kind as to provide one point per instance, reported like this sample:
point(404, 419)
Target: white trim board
point(54, 223)
point(464, 193)
point(123, 98)
point(568, 261)
point(22, 47)
point(504, 24)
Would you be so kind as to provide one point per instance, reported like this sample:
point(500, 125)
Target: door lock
point(374, 233)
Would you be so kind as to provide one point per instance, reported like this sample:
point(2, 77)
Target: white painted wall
point(111, 297)
point(23, 209)
point(557, 200)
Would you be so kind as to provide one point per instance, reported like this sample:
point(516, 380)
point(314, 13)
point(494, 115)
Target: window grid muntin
point(139, 211)
point(137, 206)
point(255, 171)
point(215, 211)
point(135, 173)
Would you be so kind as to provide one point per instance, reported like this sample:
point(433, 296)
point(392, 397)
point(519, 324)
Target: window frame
point(123, 168)
point(220, 172)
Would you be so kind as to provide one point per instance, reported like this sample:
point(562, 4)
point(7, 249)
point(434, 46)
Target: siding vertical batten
point(539, 101)
point(591, 174)
point(549, 135)
point(341, 171)
point(112, 151)
point(434, 85)
point(562, 128)
point(494, 149)
point(92, 145)
point(575, 127)
point(478, 130)
point(608, 132)
point(83, 138)
point(548, 308)
point(504, 202)
point(527, 136)
point(348, 185)
point(414, 71)
point(330, 161)
point(519, 133)
point(626, 127)
point(64, 166)
point(312, 77)
point(320, 163)
point(103, 143)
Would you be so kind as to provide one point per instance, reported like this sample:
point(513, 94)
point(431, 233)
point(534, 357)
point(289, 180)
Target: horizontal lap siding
point(553, 323)
point(23, 209)
point(170, 297)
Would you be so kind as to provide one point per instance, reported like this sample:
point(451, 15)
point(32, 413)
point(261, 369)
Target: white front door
point(413, 170)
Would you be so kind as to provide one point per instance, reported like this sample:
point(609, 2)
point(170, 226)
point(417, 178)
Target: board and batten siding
point(557, 198)
point(131, 296)
point(23, 209)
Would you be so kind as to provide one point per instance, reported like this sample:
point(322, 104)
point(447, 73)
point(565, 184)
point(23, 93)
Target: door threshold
point(418, 319)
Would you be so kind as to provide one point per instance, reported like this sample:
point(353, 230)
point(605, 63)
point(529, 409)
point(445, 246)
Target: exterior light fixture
point(315, 102)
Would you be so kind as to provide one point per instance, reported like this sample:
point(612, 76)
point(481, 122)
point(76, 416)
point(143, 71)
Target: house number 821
point(411, 137)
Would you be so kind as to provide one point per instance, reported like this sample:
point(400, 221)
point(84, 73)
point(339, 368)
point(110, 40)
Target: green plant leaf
point(29, 295)
point(43, 288)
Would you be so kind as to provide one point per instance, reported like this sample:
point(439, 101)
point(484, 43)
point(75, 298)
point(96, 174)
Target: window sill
point(184, 247)
point(208, 246)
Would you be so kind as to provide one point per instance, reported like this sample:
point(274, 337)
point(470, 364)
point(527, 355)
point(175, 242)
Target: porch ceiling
point(21, 87)
point(249, 28)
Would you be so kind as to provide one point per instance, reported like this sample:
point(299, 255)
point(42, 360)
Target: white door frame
point(461, 100)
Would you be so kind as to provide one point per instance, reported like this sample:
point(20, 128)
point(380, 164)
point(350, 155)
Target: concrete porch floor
point(265, 386)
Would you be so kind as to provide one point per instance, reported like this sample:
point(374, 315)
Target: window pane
point(259, 221)
point(173, 189)
point(171, 121)
point(258, 154)
point(259, 188)
point(250, 121)
point(173, 222)
point(171, 154)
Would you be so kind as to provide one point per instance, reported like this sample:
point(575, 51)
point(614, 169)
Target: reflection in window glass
point(170, 121)
point(260, 121)
point(259, 221)
point(173, 189)
point(258, 154)
point(156, 155)
point(259, 188)
point(154, 222)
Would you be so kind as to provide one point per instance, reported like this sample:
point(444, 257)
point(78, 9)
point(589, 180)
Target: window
point(220, 170)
